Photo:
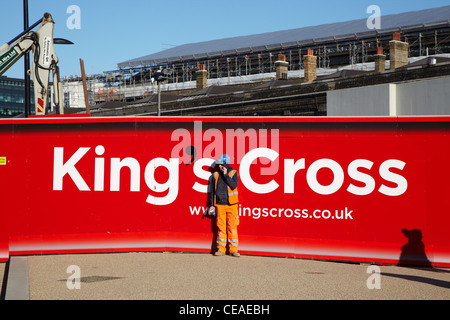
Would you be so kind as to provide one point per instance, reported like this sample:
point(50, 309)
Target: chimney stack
point(398, 51)
point(281, 66)
point(380, 61)
point(202, 77)
point(310, 62)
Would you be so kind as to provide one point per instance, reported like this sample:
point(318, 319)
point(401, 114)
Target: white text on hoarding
point(293, 169)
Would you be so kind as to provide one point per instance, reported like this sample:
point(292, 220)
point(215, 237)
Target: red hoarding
point(353, 189)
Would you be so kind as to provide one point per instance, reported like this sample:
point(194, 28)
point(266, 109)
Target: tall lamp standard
point(26, 63)
point(159, 77)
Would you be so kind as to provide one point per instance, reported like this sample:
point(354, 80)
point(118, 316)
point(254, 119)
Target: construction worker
point(224, 196)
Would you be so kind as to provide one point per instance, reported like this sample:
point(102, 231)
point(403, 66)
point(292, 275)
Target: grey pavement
point(2, 275)
point(190, 276)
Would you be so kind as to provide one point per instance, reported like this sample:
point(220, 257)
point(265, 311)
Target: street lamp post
point(159, 98)
point(26, 64)
point(159, 77)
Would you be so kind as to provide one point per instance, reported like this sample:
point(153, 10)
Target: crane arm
point(44, 60)
point(9, 54)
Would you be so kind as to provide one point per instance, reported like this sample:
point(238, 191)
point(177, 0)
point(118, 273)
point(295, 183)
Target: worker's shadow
point(413, 252)
point(413, 256)
point(212, 219)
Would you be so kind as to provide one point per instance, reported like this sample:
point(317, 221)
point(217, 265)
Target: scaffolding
point(331, 53)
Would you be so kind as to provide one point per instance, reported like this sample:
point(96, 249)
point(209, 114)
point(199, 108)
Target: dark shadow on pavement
point(434, 282)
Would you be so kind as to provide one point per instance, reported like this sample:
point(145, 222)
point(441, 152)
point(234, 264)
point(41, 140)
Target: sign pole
point(26, 64)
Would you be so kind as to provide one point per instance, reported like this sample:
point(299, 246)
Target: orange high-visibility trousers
point(227, 223)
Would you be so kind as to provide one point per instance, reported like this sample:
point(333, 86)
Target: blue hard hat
point(225, 159)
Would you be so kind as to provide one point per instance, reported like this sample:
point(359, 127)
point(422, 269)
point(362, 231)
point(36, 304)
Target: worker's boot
point(219, 253)
point(235, 254)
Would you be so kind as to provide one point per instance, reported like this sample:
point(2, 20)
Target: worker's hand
point(224, 170)
point(212, 210)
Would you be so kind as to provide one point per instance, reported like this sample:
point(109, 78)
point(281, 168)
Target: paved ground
point(2, 275)
point(185, 276)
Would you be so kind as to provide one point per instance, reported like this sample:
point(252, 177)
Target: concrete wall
point(428, 97)
point(424, 97)
point(364, 101)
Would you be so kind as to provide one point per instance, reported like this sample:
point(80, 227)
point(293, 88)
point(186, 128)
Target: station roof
point(300, 37)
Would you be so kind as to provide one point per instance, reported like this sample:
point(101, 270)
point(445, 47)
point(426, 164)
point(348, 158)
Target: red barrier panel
point(353, 189)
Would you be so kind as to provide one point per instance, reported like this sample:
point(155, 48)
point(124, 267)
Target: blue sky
point(113, 31)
